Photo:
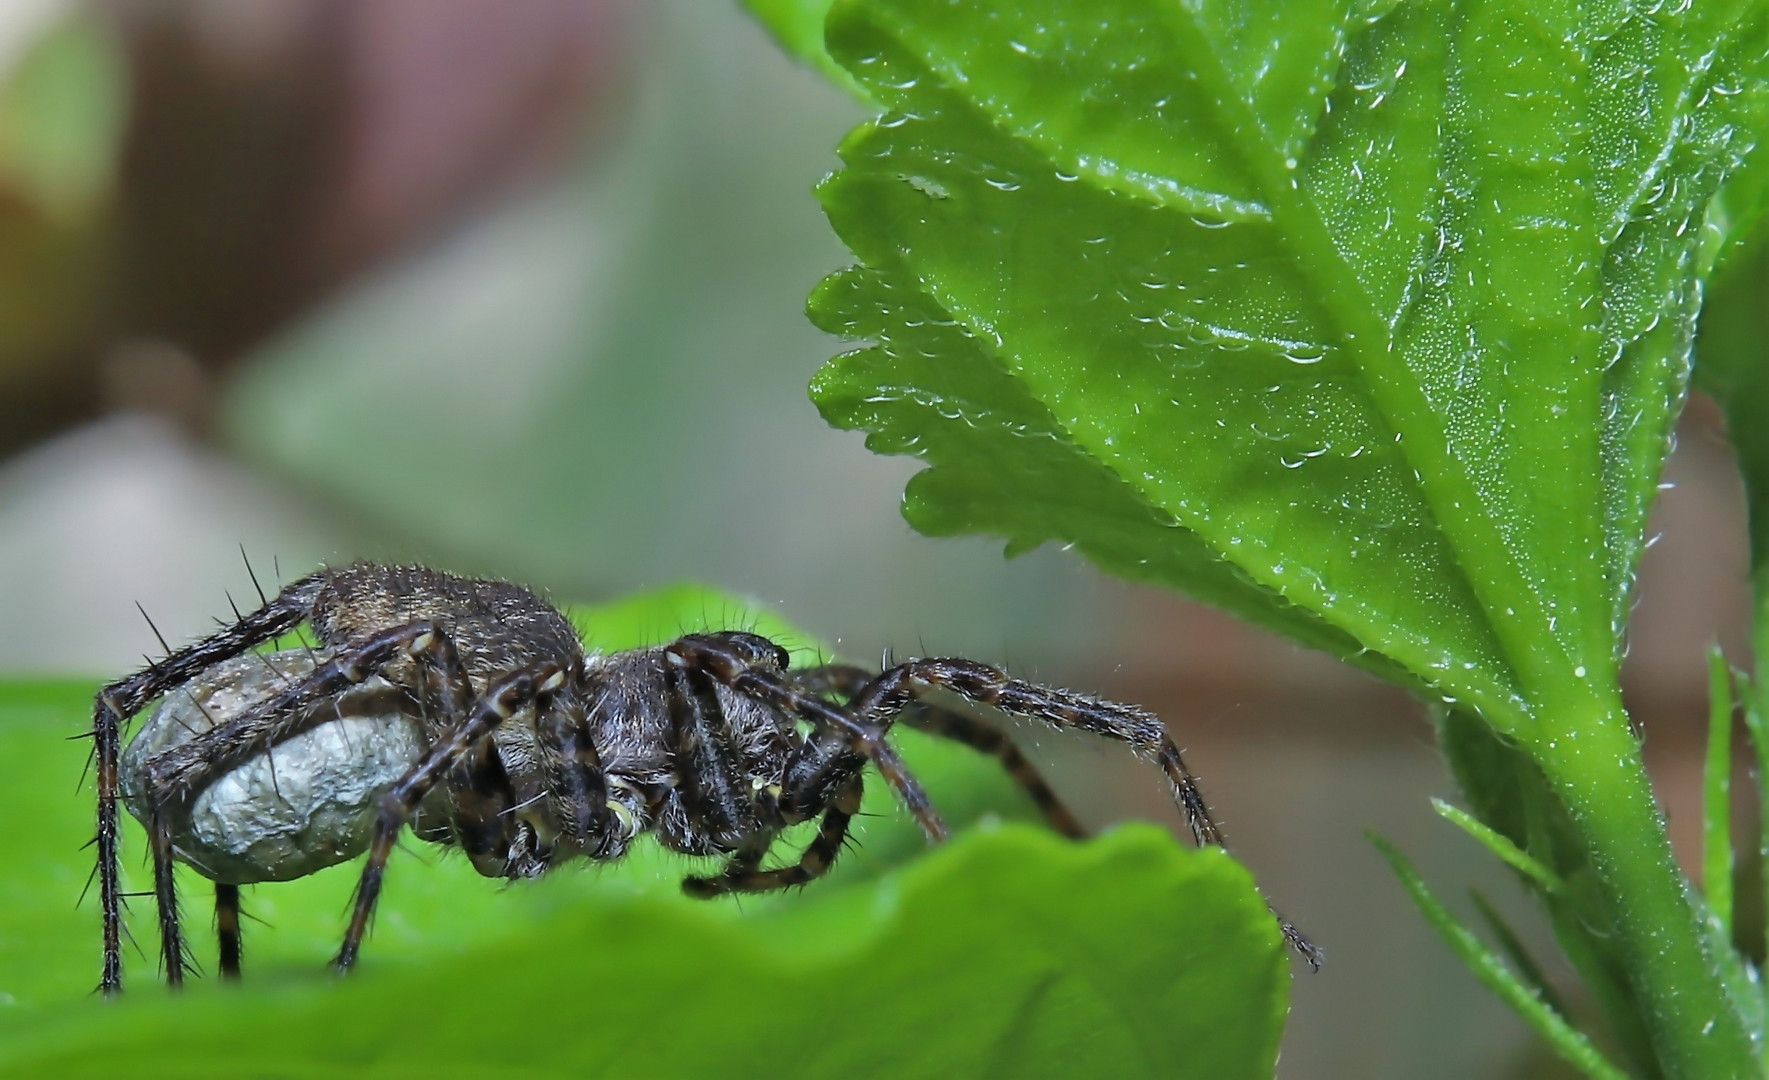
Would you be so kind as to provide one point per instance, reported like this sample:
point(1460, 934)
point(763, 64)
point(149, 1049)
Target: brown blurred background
point(516, 286)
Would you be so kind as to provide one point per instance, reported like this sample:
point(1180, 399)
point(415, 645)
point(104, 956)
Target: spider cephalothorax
point(470, 711)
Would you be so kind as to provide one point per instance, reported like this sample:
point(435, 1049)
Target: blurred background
point(515, 287)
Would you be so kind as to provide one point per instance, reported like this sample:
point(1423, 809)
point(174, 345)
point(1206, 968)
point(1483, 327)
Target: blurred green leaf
point(1736, 215)
point(62, 104)
point(1008, 952)
point(62, 107)
point(1733, 366)
point(1731, 360)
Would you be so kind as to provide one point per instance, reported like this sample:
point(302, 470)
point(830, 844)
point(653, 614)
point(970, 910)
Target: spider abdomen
point(307, 804)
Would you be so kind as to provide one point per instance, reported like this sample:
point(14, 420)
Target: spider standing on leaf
point(470, 711)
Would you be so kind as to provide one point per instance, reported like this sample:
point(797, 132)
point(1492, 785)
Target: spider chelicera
point(470, 711)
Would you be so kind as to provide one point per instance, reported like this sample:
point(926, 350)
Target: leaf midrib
point(1361, 327)
point(1366, 337)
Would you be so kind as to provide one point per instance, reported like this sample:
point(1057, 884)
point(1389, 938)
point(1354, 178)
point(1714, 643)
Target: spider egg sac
point(307, 804)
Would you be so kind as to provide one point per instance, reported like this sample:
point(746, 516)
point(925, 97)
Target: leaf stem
point(1596, 769)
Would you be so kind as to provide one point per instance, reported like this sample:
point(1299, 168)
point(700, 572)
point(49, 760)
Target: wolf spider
point(529, 752)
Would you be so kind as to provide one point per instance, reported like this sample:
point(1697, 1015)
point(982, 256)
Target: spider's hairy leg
point(120, 700)
point(479, 790)
point(578, 781)
point(501, 700)
point(895, 690)
point(712, 776)
point(849, 681)
point(227, 928)
point(979, 736)
point(748, 857)
point(832, 831)
point(901, 687)
point(437, 653)
point(173, 952)
point(728, 664)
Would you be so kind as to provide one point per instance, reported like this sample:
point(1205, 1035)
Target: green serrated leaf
point(1369, 325)
point(1570, 1043)
point(1008, 952)
point(1197, 286)
point(62, 108)
point(1008, 467)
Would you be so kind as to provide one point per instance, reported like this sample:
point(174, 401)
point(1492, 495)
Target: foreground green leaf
point(1009, 952)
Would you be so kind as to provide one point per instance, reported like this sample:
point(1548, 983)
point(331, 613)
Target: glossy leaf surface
point(1367, 323)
